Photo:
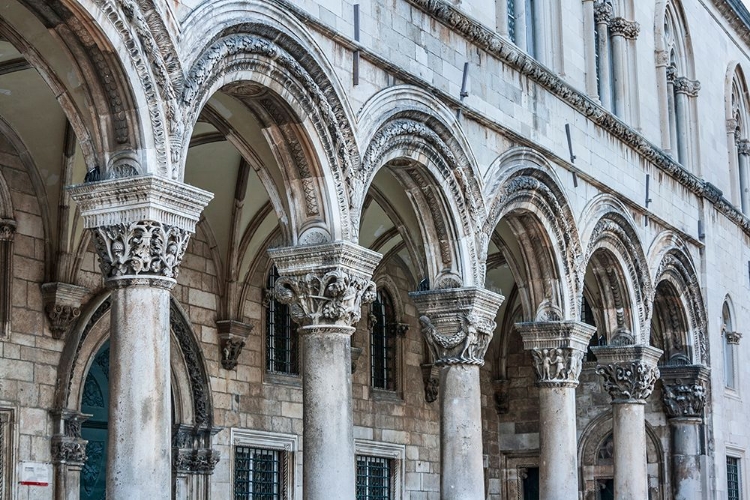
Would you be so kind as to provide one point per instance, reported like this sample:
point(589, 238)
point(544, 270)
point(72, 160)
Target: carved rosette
point(67, 446)
point(325, 285)
point(620, 26)
point(457, 323)
point(62, 303)
point(232, 338)
point(628, 372)
point(684, 390)
point(557, 348)
point(141, 226)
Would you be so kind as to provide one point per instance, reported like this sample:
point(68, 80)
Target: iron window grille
point(383, 343)
point(281, 333)
point(374, 478)
point(512, 20)
point(733, 479)
point(260, 474)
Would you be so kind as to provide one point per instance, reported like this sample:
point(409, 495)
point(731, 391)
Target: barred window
point(259, 474)
point(374, 478)
point(6, 457)
point(512, 20)
point(733, 479)
point(383, 343)
point(281, 333)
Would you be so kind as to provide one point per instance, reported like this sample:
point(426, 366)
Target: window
point(731, 339)
point(379, 470)
point(263, 465)
point(374, 478)
point(383, 343)
point(530, 483)
point(739, 141)
point(281, 333)
point(512, 20)
point(6, 456)
point(734, 479)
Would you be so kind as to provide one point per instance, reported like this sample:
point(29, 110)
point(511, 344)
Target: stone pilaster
point(325, 287)
point(68, 452)
point(629, 373)
point(684, 396)
point(141, 228)
point(62, 303)
point(557, 349)
point(232, 338)
point(458, 325)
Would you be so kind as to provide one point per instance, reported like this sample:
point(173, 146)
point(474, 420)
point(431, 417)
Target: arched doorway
point(95, 402)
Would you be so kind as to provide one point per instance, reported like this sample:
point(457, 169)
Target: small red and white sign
point(34, 473)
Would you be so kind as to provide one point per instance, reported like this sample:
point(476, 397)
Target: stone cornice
point(122, 201)
point(507, 52)
point(735, 12)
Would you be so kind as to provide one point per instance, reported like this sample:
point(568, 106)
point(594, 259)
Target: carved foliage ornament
point(629, 382)
point(621, 26)
point(200, 461)
point(467, 345)
point(144, 248)
point(684, 399)
point(557, 367)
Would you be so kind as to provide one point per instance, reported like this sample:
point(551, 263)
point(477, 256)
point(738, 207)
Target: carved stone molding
point(62, 303)
point(686, 86)
point(141, 225)
point(7, 229)
point(457, 323)
point(733, 337)
point(622, 27)
point(232, 338)
point(67, 446)
point(325, 285)
point(431, 380)
point(743, 147)
point(557, 348)
point(191, 450)
point(684, 390)
point(602, 12)
point(628, 372)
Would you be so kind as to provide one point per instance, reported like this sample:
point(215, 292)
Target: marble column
point(141, 228)
point(590, 43)
point(629, 373)
point(602, 18)
point(458, 324)
point(743, 170)
point(326, 286)
point(684, 90)
point(684, 397)
point(622, 30)
point(557, 348)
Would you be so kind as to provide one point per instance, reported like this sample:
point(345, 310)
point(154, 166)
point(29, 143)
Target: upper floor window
point(383, 338)
point(263, 465)
point(734, 478)
point(281, 333)
point(522, 21)
point(380, 470)
point(739, 140)
point(731, 339)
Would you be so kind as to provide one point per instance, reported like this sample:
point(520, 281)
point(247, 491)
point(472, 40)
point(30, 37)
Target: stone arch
point(737, 114)
point(669, 13)
point(615, 254)
point(522, 187)
point(282, 80)
point(384, 282)
point(673, 266)
point(431, 161)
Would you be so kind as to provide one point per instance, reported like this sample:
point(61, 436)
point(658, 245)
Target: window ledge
point(385, 395)
point(282, 379)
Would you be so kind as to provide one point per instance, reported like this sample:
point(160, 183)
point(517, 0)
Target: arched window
point(731, 340)
point(383, 337)
point(534, 26)
point(678, 88)
point(738, 140)
point(281, 333)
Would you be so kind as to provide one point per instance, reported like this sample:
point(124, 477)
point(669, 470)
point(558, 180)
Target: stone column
point(590, 43)
point(458, 325)
point(602, 17)
point(522, 28)
point(141, 229)
point(664, 87)
point(558, 349)
point(68, 453)
point(683, 89)
point(684, 396)
point(622, 30)
point(743, 153)
point(629, 374)
point(326, 286)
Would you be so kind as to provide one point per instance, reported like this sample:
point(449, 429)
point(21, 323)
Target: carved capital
point(62, 303)
point(557, 348)
point(7, 229)
point(662, 58)
point(191, 450)
point(619, 26)
point(602, 12)
point(141, 226)
point(628, 372)
point(743, 147)
point(67, 445)
point(457, 323)
point(732, 126)
point(686, 86)
point(684, 390)
point(232, 338)
point(325, 285)
point(733, 337)
point(431, 380)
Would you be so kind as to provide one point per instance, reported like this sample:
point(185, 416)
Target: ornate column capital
point(141, 226)
point(232, 338)
point(683, 85)
point(628, 372)
point(557, 348)
point(743, 147)
point(732, 126)
point(684, 390)
point(325, 285)
point(458, 323)
point(191, 450)
point(67, 446)
point(62, 303)
point(732, 337)
point(619, 26)
point(7, 229)
point(602, 12)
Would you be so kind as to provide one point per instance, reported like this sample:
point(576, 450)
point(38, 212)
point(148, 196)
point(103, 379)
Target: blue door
point(95, 402)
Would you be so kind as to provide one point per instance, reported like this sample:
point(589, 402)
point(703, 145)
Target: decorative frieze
point(620, 26)
point(457, 323)
point(62, 303)
point(628, 372)
point(232, 338)
point(684, 390)
point(325, 285)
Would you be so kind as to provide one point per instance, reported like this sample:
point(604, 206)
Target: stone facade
point(485, 251)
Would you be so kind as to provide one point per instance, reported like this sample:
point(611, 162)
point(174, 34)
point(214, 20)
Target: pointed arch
point(522, 187)
point(737, 113)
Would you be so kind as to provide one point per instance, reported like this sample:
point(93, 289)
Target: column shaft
point(631, 475)
point(328, 455)
point(139, 448)
point(590, 47)
point(522, 28)
point(558, 467)
point(462, 473)
point(621, 76)
point(744, 165)
point(686, 467)
point(681, 109)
